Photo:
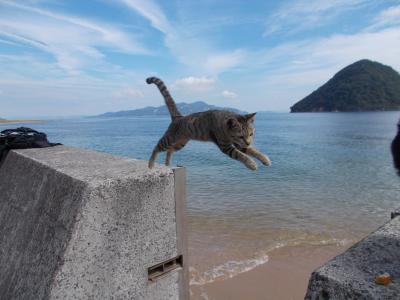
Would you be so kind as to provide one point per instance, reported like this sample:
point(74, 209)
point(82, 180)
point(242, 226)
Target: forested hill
point(184, 108)
point(362, 86)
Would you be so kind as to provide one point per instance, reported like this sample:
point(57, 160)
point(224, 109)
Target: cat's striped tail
point(169, 101)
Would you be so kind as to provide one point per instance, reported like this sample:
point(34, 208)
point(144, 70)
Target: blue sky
point(66, 58)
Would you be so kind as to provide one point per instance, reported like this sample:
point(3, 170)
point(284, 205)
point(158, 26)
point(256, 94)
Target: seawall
point(351, 275)
point(79, 224)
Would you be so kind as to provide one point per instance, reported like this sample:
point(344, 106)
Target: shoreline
point(284, 276)
point(19, 121)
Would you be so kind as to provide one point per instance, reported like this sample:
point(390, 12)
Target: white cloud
point(217, 63)
point(194, 83)
point(333, 52)
point(381, 46)
point(150, 10)
point(128, 92)
point(8, 42)
point(74, 42)
point(75, 95)
point(388, 17)
point(229, 94)
point(304, 14)
point(185, 44)
point(114, 37)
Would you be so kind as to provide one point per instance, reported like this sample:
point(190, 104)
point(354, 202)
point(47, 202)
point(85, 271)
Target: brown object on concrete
point(383, 279)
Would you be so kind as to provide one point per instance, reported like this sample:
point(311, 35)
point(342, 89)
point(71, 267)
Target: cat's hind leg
point(167, 143)
point(168, 157)
point(175, 147)
point(153, 157)
point(161, 146)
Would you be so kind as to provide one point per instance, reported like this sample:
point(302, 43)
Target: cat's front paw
point(266, 161)
point(251, 164)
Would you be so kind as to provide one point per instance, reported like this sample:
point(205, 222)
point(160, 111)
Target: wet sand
point(284, 277)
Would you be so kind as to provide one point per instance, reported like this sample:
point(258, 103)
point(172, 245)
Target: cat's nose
point(248, 143)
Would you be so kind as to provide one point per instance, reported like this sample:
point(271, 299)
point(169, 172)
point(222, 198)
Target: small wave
point(306, 242)
point(226, 270)
point(334, 241)
point(233, 268)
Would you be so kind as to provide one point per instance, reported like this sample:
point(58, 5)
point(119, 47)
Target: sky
point(73, 58)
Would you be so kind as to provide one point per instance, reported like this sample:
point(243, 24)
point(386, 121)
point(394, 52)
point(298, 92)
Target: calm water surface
point(331, 181)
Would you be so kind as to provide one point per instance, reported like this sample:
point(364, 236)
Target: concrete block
point(351, 275)
point(78, 224)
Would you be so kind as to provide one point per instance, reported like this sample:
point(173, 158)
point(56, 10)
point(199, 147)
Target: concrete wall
point(78, 224)
point(351, 275)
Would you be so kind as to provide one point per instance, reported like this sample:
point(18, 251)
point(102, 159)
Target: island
point(184, 108)
point(362, 86)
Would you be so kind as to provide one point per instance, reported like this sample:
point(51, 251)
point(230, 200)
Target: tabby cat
point(232, 133)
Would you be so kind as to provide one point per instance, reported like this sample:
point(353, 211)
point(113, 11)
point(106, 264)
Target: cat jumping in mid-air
point(232, 133)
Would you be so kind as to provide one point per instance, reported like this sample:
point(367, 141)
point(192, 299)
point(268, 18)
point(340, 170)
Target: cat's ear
point(232, 123)
point(250, 117)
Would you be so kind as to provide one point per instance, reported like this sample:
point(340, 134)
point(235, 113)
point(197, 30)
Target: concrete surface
point(78, 224)
point(351, 275)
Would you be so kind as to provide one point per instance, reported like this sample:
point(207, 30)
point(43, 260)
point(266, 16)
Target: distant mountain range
point(184, 108)
point(362, 86)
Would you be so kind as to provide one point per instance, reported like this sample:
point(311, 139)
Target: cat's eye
point(242, 137)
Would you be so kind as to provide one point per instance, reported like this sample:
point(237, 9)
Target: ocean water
point(331, 182)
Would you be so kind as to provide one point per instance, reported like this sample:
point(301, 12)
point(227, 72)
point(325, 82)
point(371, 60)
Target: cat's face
point(241, 130)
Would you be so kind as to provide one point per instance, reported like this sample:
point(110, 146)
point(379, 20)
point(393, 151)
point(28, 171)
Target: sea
point(331, 182)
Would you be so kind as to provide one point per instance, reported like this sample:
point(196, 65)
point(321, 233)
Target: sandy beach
point(19, 121)
point(284, 277)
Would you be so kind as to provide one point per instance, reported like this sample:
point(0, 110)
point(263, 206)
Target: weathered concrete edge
point(178, 204)
point(181, 229)
point(66, 224)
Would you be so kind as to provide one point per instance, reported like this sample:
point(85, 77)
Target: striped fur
point(232, 133)
point(169, 101)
